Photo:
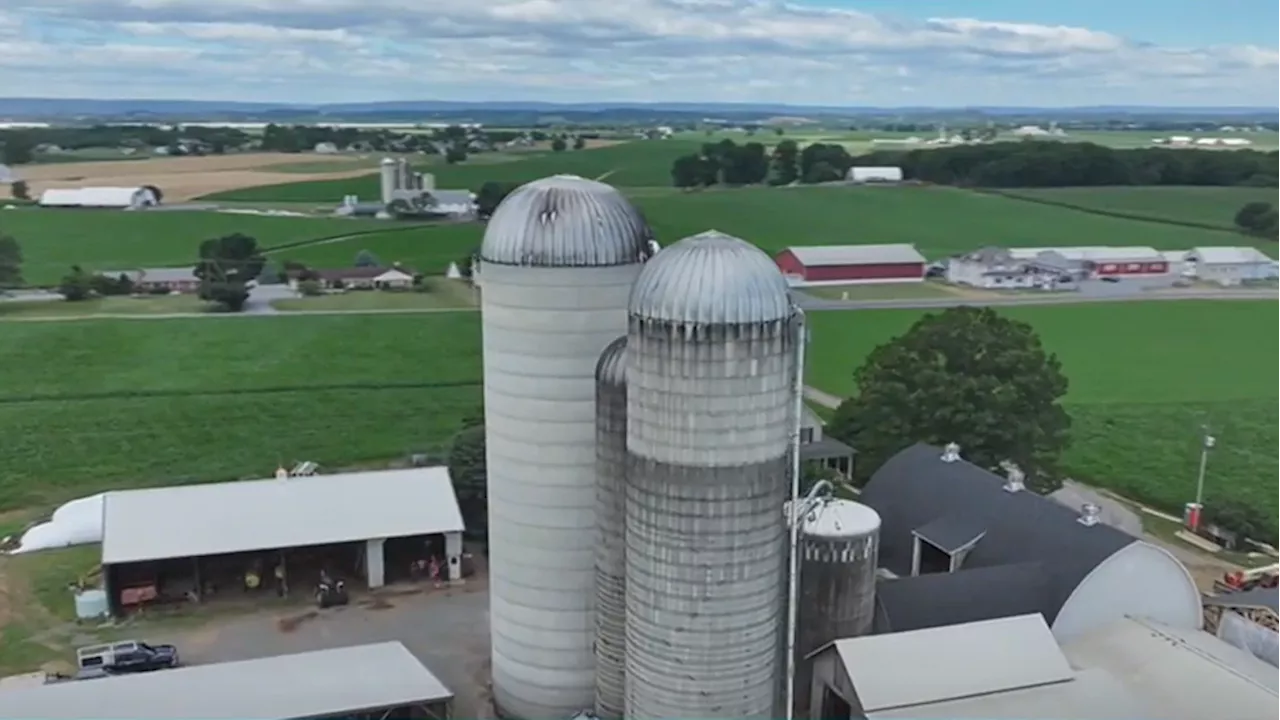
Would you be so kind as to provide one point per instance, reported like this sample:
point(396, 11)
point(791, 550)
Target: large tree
point(225, 267)
point(490, 195)
point(10, 261)
point(965, 375)
point(468, 474)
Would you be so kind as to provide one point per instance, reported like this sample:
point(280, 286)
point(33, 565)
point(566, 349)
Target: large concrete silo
point(611, 511)
point(387, 171)
point(711, 345)
point(555, 269)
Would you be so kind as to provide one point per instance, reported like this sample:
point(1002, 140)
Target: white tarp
point(78, 522)
point(1261, 642)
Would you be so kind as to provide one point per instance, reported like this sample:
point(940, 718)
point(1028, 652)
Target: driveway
point(261, 297)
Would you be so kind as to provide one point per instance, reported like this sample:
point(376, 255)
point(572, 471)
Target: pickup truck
point(129, 656)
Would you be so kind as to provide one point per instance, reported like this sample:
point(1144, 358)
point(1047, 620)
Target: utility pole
point(1206, 444)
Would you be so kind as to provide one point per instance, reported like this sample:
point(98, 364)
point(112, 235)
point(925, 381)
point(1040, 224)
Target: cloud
point(587, 50)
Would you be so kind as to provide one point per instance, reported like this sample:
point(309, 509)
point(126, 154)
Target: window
point(1133, 267)
point(806, 436)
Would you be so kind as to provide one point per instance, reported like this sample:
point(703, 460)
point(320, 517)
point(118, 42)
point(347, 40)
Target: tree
point(225, 267)
point(491, 194)
point(558, 144)
point(470, 478)
point(1257, 218)
point(785, 163)
point(1244, 519)
point(364, 258)
point(455, 154)
point(107, 286)
point(76, 285)
point(271, 274)
point(17, 150)
point(10, 262)
point(310, 288)
point(579, 143)
point(20, 190)
point(965, 375)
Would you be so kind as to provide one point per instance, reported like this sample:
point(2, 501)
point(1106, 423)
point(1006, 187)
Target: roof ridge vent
point(951, 452)
point(1089, 514)
point(1015, 479)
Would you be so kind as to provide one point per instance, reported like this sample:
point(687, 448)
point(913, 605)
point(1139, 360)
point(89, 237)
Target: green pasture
point(1144, 378)
point(633, 164)
point(54, 240)
point(1199, 205)
point(91, 405)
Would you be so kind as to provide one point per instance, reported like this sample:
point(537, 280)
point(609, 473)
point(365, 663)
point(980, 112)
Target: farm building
point(124, 198)
point(1015, 668)
point(393, 278)
point(1095, 261)
point(388, 682)
point(1229, 266)
point(195, 542)
point(968, 545)
point(993, 267)
point(875, 174)
point(847, 264)
point(180, 280)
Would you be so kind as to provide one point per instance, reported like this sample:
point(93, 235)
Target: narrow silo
point(611, 508)
point(387, 170)
point(839, 544)
point(710, 358)
point(556, 267)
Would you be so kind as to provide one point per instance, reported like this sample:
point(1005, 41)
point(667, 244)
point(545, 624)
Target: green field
point(634, 164)
point(1215, 206)
point(54, 240)
point(1144, 377)
point(89, 405)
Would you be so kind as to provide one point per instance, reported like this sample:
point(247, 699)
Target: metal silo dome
point(566, 221)
point(711, 278)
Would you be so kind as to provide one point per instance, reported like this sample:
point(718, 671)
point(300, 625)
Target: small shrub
point(310, 288)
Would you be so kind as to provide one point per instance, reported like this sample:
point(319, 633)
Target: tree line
point(995, 165)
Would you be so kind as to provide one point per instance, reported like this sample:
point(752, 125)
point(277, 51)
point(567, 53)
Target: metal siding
point(789, 264)
point(883, 271)
point(709, 422)
point(544, 330)
point(611, 508)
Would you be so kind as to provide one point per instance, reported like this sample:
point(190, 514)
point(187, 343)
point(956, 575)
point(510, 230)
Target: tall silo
point(839, 545)
point(387, 170)
point(611, 508)
point(710, 362)
point(556, 267)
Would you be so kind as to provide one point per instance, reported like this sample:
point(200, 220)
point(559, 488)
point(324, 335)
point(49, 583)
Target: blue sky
point(825, 52)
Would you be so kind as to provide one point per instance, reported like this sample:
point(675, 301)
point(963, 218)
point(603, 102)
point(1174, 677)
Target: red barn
point(847, 264)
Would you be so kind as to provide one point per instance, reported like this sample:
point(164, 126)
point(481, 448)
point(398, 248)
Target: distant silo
point(839, 543)
point(611, 508)
point(387, 170)
point(556, 267)
point(710, 360)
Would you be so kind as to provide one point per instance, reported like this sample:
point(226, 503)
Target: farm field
point(633, 164)
point(54, 240)
point(139, 305)
point(1200, 205)
point(1139, 389)
point(90, 405)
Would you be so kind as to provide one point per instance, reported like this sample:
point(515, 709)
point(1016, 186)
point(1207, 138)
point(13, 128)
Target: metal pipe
point(793, 562)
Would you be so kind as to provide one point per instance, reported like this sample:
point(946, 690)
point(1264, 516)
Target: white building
point(997, 268)
point(125, 198)
point(1229, 266)
point(875, 174)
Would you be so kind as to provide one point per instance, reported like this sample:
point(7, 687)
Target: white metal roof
point(214, 519)
point(1180, 674)
point(1091, 695)
point(324, 682)
point(1096, 253)
point(820, 255)
point(91, 197)
point(1228, 256)
point(962, 660)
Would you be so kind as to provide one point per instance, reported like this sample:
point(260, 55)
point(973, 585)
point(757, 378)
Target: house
point(125, 198)
point(1229, 266)
point(966, 545)
point(848, 264)
point(146, 280)
point(816, 448)
point(380, 278)
point(459, 204)
point(325, 148)
point(997, 268)
point(1014, 667)
point(875, 174)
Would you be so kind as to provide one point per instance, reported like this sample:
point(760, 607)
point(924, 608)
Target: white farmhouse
point(1228, 266)
point(875, 174)
point(124, 198)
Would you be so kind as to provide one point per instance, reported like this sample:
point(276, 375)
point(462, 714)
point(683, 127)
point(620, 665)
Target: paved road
point(810, 302)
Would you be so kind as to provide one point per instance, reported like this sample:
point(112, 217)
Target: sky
point(882, 53)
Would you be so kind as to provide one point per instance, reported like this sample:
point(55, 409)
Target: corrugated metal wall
point(611, 510)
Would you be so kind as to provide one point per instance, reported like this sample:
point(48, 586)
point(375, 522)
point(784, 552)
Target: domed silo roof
point(711, 278)
point(566, 221)
point(612, 367)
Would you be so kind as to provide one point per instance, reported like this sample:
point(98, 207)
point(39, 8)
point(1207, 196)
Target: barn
point(848, 264)
point(125, 198)
point(1106, 261)
point(860, 174)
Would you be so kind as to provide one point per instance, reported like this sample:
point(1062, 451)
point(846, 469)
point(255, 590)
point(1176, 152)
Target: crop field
point(633, 164)
point(1215, 206)
point(1144, 378)
point(54, 240)
point(426, 248)
point(86, 406)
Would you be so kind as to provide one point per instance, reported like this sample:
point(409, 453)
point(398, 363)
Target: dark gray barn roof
point(938, 599)
point(916, 489)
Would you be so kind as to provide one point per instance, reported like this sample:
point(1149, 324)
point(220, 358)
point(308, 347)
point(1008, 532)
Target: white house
point(875, 174)
point(1228, 266)
point(126, 198)
point(997, 268)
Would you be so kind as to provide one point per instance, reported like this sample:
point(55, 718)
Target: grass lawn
point(887, 291)
point(54, 240)
point(443, 295)
point(1203, 205)
point(633, 164)
point(141, 305)
point(426, 248)
point(91, 405)
point(1144, 378)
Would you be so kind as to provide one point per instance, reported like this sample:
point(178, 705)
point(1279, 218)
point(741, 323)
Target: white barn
point(875, 174)
point(1228, 266)
point(125, 198)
